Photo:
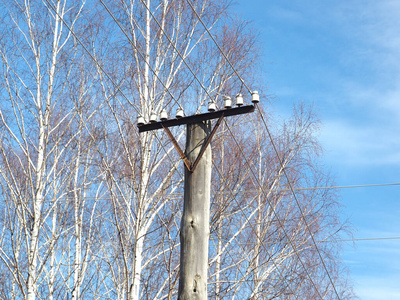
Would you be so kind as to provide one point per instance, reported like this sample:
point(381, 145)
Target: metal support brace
point(187, 163)
point(207, 143)
point(181, 153)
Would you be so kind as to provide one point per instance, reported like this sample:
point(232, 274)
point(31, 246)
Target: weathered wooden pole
point(196, 214)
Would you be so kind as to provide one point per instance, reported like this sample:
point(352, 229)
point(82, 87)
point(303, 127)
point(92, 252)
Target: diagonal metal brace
point(187, 163)
point(205, 145)
point(181, 153)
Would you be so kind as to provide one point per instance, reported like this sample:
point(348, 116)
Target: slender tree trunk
point(257, 246)
point(37, 205)
point(218, 261)
point(78, 231)
point(53, 256)
point(134, 294)
point(37, 202)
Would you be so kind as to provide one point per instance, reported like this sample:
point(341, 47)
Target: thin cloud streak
point(352, 144)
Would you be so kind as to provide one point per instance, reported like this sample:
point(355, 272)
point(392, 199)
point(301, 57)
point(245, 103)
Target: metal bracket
point(181, 153)
point(191, 167)
point(205, 145)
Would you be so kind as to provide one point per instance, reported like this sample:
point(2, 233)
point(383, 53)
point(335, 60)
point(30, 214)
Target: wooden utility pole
point(195, 229)
point(196, 214)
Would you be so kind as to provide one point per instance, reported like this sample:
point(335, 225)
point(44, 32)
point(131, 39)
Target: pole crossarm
point(197, 118)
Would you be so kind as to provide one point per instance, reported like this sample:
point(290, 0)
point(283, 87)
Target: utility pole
point(196, 214)
point(195, 229)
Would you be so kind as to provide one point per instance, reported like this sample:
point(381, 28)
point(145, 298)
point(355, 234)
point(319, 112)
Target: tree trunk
point(195, 220)
point(137, 264)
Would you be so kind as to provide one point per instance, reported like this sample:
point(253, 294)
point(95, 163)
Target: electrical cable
point(219, 47)
point(140, 53)
point(273, 210)
point(344, 186)
point(90, 54)
point(297, 201)
point(280, 161)
point(94, 59)
point(251, 225)
point(183, 59)
point(246, 191)
point(374, 239)
point(291, 188)
point(361, 239)
point(101, 68)
point(177, 50)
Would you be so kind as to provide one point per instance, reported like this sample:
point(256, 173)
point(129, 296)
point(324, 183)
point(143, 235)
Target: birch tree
point(39, 114)
point(265, 250)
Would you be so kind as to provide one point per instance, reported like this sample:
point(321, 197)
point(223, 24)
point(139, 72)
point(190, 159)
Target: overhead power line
point(290, 185)
point(140, 53)
point(218, 46)
point(90, 54)
point(183, 59)
point(281, 164)
point(93, 58)
point(202, 86)
point(340, 187)
point(361, 239)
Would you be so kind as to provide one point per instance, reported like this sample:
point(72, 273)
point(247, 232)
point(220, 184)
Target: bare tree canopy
point(90, 209)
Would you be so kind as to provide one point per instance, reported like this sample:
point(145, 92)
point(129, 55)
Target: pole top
point(197, 118)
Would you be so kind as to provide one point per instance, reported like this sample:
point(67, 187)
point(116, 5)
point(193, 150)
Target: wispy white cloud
point(375, 267)
point(359, 144)
point(344, 56)
point(376, 290)
point(372, 30)
point(365, 132)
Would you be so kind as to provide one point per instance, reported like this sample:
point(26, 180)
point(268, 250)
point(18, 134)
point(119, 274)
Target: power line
point(394, 238)
point(90, 54)
point(169, 40)
point(279, 159)
point(296, 200)
point(219, 48)
point(254, 231)
point(210, 97)
point(140, 53)
point(202, 86)
point(344, 186)
point(102, 69)
point(274, 211)
point(281, 164)
point(176, 49)
point(175, 195)
point(94, 59)
point(291, 188)
point(361, 239)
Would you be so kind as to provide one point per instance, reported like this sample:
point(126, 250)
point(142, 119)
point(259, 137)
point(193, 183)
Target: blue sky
point(344, 57)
